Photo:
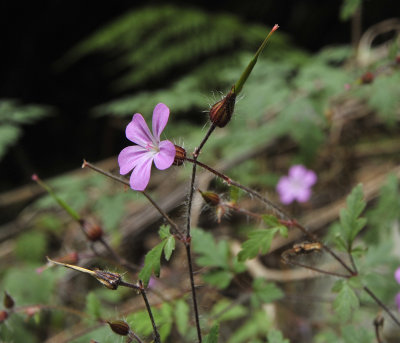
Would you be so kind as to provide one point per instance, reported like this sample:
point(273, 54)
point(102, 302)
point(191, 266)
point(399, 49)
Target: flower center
point(152, 147)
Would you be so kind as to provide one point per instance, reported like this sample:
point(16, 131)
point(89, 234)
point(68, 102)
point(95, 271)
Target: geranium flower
point(297, 185)
point(149, 148)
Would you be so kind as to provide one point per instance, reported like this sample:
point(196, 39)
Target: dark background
point(36, 34)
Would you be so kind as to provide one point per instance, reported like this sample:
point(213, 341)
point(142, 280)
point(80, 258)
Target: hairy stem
point(193, 288)
point(142, 291)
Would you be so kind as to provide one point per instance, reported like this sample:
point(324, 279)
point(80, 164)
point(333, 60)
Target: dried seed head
point(8, 301)
point(120, 327)
point(108, 279)
point(180, 155)
point(221, 112)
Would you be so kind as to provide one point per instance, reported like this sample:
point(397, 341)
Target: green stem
point(243, 78)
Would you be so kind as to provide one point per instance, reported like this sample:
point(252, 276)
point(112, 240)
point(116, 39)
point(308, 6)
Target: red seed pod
point(3, 316)
point(221, 112)
point(8, 301)
point(180, 155)
point(367, 78)
point(120, 327)
point(93, 231)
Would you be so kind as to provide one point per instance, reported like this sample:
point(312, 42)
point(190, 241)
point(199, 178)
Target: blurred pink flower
point(297, 185)
point(397, 275)
point(149, 148)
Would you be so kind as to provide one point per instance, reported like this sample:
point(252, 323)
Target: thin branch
point(381, 304)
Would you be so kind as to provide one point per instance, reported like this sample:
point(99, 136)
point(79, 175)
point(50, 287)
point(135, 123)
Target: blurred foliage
point(13, 116)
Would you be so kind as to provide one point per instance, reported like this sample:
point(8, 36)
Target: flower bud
point(397, 59)
point(3, 316)
point(120, 327)
point(366, 78)
point(211, 198)
point(180, 155)
point(92, 231)
point(221, 112)
point(8, 301)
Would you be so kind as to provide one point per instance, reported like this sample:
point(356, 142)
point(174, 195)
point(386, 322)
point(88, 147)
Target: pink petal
point(297, 172)
point(397, 275)
point(166, 156)
point(310, 178)
point(303, 195)
point(284, 189)
point(138, 132)
point(160, 119)
point(128, 158)
point(141, 174)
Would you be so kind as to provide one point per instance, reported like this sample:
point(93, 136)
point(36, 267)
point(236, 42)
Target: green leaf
point(225, 310)
point(218, 278)
point(346, 301)
point(210, 253)
point(212, 337)
point(264, 292)
point(152, 263)
point(169, 247)
point(275, 336)
point(351, 334)
point(164, 231)
point(181, 314)
point(351, 225)
point(270, 220)
point(348, 8)
point(259, 242)
point(93, 306)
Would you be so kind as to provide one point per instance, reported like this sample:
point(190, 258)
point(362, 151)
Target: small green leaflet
point(351, 225)
point(264, 292)
point(212, 337)
point(259, 242)
point(153, 257)
point(346, 300)
point(181, 315)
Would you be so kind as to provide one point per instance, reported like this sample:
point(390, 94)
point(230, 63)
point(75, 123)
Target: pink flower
point(149, 148)
point(297, 185)
point(397, 275)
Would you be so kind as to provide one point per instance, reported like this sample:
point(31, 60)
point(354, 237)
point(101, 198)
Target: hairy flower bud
point(366, 78)
point(211, 198)
point(221, 112)
point(8, 301)
point(180, 155)
point(120, 327)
